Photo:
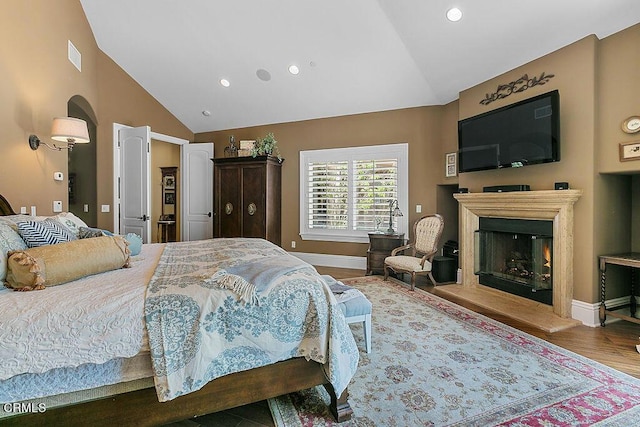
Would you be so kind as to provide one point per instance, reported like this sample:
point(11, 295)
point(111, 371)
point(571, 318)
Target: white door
point(197, 191)
point(134, 181)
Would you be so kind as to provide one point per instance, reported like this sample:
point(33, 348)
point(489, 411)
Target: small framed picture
point(169, 198)
point(451, 167)
point(169, 182)
point(245, 147)
point(629, 151)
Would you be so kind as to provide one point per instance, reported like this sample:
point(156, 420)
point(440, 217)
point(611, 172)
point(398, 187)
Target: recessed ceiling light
point(225, 82)
point(293, 69)
point(454, 14)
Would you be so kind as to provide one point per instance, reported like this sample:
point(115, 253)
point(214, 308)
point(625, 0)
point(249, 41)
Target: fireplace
point(545, 205)
point(515, 256)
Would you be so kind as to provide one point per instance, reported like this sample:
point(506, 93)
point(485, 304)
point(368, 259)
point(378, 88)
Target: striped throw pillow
point(41, 233)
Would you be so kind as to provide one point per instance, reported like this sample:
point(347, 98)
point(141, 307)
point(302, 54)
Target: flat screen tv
point(520, 134)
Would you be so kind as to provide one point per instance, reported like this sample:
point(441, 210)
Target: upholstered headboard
point(5, 207)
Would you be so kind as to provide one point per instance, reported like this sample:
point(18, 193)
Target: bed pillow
point(10, 240)
point(70, 221)
point(51, 265)
point(41, 233)
point(89, 232)
point(135, 243)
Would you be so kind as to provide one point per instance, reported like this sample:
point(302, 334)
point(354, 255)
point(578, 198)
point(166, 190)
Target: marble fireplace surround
point(553, 205)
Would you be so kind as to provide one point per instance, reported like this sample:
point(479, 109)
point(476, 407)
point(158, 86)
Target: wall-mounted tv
point(520, 134)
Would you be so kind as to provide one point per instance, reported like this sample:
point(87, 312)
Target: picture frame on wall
point(451, 167)
point(629, 151)
point(169, 182)
point(169, 198)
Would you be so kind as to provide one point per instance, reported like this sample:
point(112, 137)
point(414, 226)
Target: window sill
point(328, 237)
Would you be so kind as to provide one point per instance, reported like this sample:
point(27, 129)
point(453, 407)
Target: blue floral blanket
point(200, 330)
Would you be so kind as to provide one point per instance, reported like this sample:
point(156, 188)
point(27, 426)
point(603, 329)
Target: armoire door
point(228, 201)
point(253, 200)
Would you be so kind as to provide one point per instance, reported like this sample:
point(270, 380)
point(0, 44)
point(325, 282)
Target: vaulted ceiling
point(354, 56)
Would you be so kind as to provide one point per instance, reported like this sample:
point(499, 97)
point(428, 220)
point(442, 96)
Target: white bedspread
point(68, 325)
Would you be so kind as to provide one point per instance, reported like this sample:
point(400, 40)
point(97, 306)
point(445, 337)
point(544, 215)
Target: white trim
point(115, 209)
point(398, 150)
point(168, 138)
point(328, 260)
point(588, 313)
point(328, 236)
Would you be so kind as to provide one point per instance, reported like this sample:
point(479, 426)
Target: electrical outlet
point(418, 208)
point(86, 208)
point(105, 208)
point(23, 210)
point(293, 244)
point(33, 211)
point(57, 205)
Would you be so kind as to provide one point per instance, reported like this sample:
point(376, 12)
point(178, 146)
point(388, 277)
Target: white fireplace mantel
point(554, 205)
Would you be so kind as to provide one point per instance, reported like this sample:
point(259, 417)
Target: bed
point(129, 347)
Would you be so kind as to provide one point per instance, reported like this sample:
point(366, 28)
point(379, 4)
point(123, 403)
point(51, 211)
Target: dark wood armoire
point(247, 197)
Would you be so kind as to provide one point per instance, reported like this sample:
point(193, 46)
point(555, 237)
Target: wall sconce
point(393, 212)
point(64, 129)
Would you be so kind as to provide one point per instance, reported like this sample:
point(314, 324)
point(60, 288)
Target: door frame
point(116, 167)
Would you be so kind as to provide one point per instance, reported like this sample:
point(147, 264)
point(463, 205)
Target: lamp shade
point(69, 129)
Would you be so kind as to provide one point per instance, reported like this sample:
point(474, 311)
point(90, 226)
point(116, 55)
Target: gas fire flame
point(547, 256)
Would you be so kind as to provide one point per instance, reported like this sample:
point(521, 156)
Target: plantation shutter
point(375, 184)
point(345, 192)
point(328, 195)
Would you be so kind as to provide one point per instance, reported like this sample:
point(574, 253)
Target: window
point(345, 192)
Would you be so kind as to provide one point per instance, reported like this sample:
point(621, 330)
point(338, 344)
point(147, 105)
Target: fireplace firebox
point(515, 256)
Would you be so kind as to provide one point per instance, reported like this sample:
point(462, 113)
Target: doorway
point(154, 139)
point(82, 178)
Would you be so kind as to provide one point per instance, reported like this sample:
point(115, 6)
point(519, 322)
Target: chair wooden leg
point(432, 279)
point(413, 281)
point(386, 273)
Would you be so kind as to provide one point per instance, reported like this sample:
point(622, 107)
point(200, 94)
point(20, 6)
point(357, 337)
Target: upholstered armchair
point(419, 253)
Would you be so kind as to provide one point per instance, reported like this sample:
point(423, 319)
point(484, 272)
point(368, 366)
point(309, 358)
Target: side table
point(631, 260)
point(166, 231)
point(380, 247)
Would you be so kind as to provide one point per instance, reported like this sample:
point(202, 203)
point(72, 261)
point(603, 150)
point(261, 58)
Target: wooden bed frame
point(141, 407)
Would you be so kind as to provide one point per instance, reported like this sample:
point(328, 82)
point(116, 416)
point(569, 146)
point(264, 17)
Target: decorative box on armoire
point(247, 197)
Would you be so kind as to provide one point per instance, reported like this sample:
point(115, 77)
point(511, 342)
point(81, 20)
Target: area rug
point(435, 363)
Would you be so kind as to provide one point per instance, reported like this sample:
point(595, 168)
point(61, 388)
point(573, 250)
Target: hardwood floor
point(613, 345)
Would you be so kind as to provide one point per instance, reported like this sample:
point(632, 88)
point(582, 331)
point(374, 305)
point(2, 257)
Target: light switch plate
point(418, 208)
point(105, 208)
point(57, 205)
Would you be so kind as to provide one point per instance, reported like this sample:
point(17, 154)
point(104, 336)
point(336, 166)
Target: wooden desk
point(631, 260)
point(380, 247)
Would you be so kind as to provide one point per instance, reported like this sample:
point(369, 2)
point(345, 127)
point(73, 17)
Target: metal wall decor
point(520, 85)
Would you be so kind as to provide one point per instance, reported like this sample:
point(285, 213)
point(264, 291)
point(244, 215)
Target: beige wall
point(124, 101)
point(38, 80)
point(596, 79)
point(419, 127)
point(583, 72)
point(574, 70)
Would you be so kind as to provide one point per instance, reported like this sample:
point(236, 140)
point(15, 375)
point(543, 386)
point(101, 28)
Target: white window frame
point(399, 151)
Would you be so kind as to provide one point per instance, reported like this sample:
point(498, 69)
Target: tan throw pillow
point(51, 265)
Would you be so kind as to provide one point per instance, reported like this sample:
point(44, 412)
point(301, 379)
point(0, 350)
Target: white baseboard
point(588, 313)
point(328, 260)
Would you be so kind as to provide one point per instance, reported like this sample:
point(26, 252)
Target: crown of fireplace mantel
point(554, 205)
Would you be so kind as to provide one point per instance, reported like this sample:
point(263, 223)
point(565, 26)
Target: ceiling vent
point(75, 56)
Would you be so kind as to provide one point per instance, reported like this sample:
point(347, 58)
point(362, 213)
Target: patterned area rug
point(434, 363)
